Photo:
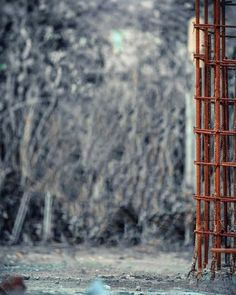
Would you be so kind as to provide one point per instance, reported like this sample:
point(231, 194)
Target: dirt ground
point(125, 271)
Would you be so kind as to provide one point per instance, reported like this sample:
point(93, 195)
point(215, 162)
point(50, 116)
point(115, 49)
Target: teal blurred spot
point(117, 39)
point(96, 288)
point(3, 67)
point(83, 41)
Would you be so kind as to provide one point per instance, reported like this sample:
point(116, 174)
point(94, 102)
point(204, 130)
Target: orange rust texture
point(215, 131)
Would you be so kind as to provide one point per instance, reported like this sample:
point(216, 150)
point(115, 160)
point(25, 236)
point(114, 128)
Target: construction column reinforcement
point(215, 129)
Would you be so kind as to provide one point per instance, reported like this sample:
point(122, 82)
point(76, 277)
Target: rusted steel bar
point(217, 89)
point(198, 140)
point(216, 164)
point(227, 199)
point(225, 123)
point(225, 62)
point(214, 132)
point(213, 233)
point(224, 250)
point(230, 101)
point(206, 139)
point(212, 32)
point(208, 26)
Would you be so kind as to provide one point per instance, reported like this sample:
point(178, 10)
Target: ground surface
point(65, 270)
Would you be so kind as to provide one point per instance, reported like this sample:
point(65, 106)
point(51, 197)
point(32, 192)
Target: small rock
point(37, 278)
point(159, 279)
point(26, 277)
point(138, 288)
point(57, 282)
point(12, 285)
point(107, 287)
point(192, 282)
point(19, 255)
point(83, 271)
point(11, 263)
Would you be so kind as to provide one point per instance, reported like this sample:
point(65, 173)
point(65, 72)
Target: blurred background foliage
point(92, 111)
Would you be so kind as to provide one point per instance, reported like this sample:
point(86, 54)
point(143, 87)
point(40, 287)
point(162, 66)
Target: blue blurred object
point(97, 288)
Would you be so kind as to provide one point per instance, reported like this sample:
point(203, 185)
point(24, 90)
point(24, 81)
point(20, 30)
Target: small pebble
point(26, 277)
point(11, 263)
point(107, 287)
point(57, 282)
point(138, 288)
point(37, 278)
point(78, 281)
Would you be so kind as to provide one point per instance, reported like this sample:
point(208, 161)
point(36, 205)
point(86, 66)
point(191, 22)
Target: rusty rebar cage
point(215, 129)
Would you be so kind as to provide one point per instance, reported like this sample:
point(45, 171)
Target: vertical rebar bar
point(225, 127)
point(198, 140)
point(206, 137)
point(217, 129)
